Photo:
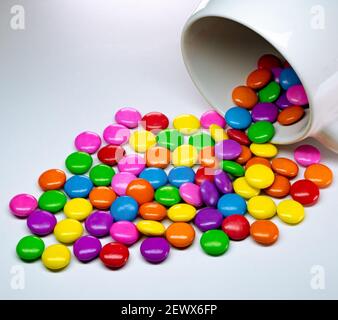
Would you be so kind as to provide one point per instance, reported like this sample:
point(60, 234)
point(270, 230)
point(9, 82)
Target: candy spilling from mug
point(219, 172)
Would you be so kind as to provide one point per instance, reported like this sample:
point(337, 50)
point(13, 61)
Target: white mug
point(223, 40)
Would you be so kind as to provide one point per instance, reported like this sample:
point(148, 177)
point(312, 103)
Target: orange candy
point(280, 187)
point(244, 97)
point(158, 157)
point(102, 197)
point(319, 174)
point(180, 234)
point(206, 157)
point(258, 79)
point(264, 232)
point(257, 160)
point(52, 179)
point(245, 155)
point(290, 115)
point(141, 190)
point(152, 211)
point(285, 167)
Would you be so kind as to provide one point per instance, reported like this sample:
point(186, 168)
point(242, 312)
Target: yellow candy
point(262, 207)
point(218, 133)
point(151, 228)
point(185, 155)
point(290, 211)
point(181, 212)
point(259, 176)
point(142, 140)
point(56, 257)
point(78, 209)
point(242, 188)
point(68, 231)
point(266, 150)
point(186, 123)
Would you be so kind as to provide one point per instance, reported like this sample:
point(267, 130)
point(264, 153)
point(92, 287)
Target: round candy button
point(238, 136)
point(223, 182)
point(217, 133)
point(142, 140)
point(264, 112)
point(140, 190)
point(242, 188)
point(288, 78)
point(52, 179)
point(201, 140)
point(185, 155)
point(233, 168)
point(306, 155)
point(116, 134)
point(78, 187)
point(180, 235)
point(167, 195)
point(114, 255)
point(297, 95)
point(87, 141)
point(319, 174)
point(259, 176)
point(102, 197)
point(124, 208)
point(257, 160)
point(290, 115)
point(22, 205)
point(186, 124)
point(230, 204)
point(132, 163)
point(280, 187)
point(155, 176)
point(191, 194)
point(209, 193)
point(206, 157)
point(98, 223)
point(214, 242)
point(236, 227)
point(52, 201)
point(264, 232)
point(128, 117)
point(244, 97)
point(258, 79)
point(266, 150)
point(285, 167)
point(261, 132)
point(30, 248)
point(211, 117)
point(204, 174)
point(228, 150)
point(290, 211)
point(269, 61)
point(245, 155)
point(153, 211)
point(87, 248)
point(238, 118)
point(41, 222)
point(181, 212)
point(124, 232)
point(170, 139)
point(155, 250)
point(155, 122)
point(120, 182)
point(305, 192)
point(78, 209)
point(180, 175)
point(56, 257)
point(111, 155)
point(270, 93)
point(101, 175)
point(283, 102)
point(68, 231)
point(261, 207)
point(79, 162)
point(158, 157)
point(151, 228)
point(208, 219)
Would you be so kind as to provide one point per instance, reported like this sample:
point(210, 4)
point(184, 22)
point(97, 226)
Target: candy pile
point(128, 196)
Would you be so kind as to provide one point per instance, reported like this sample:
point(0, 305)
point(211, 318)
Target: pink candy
point(120, 182)
point(124, 232)
point(132, 163)
point(88, 142)
point(128, 117)
point(191, 194)
point(22, 205)
point(306, 155)
point(297, 95)
point(116, 134)
point(212, 117)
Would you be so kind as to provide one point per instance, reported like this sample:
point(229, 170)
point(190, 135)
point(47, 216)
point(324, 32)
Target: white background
point(73, 66)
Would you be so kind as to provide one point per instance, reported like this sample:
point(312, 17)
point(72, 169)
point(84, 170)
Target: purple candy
point(223, 182)
point(209, 193)
point(283, 102)
point(297, 95)
point(41, 222)
point(155, 250)
point(276, 73)
point(87, 248)
point(98, 223)
point(208, 219)
point(264, 112)
point(228, 150)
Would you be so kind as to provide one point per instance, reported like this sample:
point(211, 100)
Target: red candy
point(305, 192)
point(238, 136)
point(155, 122)
point(114, 255)
point(111, 154)
point(236, 227)
point(203, 174)
point(269, 61)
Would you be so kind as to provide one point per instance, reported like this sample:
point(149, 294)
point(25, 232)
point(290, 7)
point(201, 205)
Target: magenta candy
point(264, 112)
point(228, 150)
point(208, 219)
point(209, 193)
point(223, 182)
point(132, 163)
point(22, 205)
point(191, 194)
point(155, 250)
point(116, 134)
point(41, 222)
point(128, 117)
point(87, 248)
point(276, 73)
point(297, 95)
point(212, 117)
point(283, 102)
point(124, 232)
point(120, 182)
point(306, 155)
point(98, 223)
point(88, 141)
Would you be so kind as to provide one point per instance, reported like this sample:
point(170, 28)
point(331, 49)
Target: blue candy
point(155, 176)
point(288, 78)
point(78, 187)
point(231, 204)
point(124, 209)
point(238, 118)
point(179, 175)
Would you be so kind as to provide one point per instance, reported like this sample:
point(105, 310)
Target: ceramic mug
point(223, 40)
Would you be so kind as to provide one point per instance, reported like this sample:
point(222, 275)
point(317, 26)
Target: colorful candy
point(132, 163)
point(191, 194)
point(261, 132)
point(142, 140)
point(180, 235)
point(79, 162)
point(124, 208)
point(155, 121)
point(290, 115)
point(155, 250)
point(114, 255)
point(116, 134)
point(259, 176)
point(30, 248)
point(68, 231)
point(22, 205)
point(212, 117)
point(52, 201)
point(41, 222)
point(153, 211)
point(262, 207)
point(306, 155)
point(158, 157)
point(101, 175)
point(217, 133)
point(244, 97)
point(214, 242)
point(319, 174)
point(230, 204)
point(78, 187)
point(264, 232)
point(56, 257)
point(264, 112)
point(266, 150)
point(52, 179)
point(180, 175)
point(98, 223)
point(87, 248)
point(233, 168)
point(288, 78)
point(181, 212)
point(88, 142)
point(305, 192)
point(208, 219)
point(111, 155)
point(228, 150)
point(238, 118)
point(150, 228)
point(269, 61)
point(236, 227)
point(155, 176)
point(124, 232)
point(167, 195)
point(209, 194)
point(102, 197)
point(223, 182)
point(121, 181)
point(128, 117)
point(285, 167)
point(201, 140)
point(242, 188)
point(270, 93)
point(170, 139)
point(185, 155)
point(140, 190)
point(280, 187)
point(186, 124)
point(258, 79)
point(297, 95)
point(78, 209)
point(290, 211)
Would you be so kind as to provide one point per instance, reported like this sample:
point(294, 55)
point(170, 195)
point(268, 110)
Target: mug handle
point(329, 136)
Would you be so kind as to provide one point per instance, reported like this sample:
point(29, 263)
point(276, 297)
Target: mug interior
point(219, 53)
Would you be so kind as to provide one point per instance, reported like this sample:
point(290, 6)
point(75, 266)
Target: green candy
point(30, 248)
point(201, 140)
point(170, 139)
point(214, 242)
point(167, 195)
point(101, 175)
point(270, 93)
point(52, 201)
point(79, 162)
point(234, 168)
point(261, 132)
